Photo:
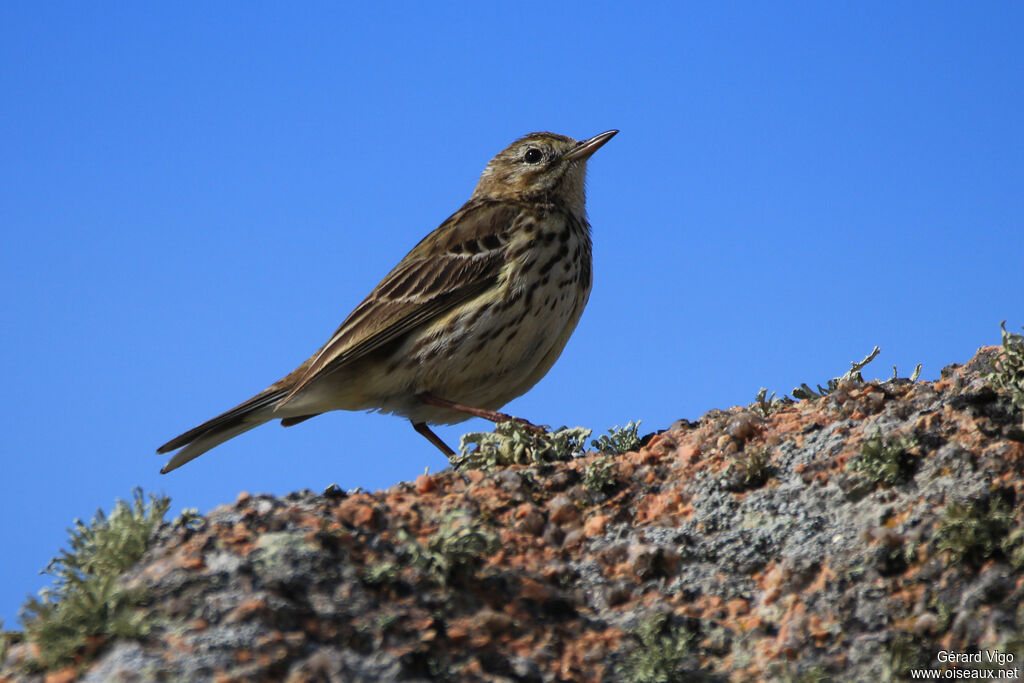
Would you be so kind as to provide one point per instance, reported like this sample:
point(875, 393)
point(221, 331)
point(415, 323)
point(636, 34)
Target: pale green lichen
point(978, 530)
point(88, 599)
point(886, 460)
point(512, 443)
point(619, 440)
point(766, 404)
point(1007, 375)
point(852, 375)
point(662, 652)
point(749, 470)
point(454, 551)
point(599, 474)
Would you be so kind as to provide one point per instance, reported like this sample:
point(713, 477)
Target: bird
point(471, 318)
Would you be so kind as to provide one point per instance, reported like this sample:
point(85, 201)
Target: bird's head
point(541, 163)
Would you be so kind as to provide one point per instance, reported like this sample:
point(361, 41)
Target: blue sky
point(193, 196)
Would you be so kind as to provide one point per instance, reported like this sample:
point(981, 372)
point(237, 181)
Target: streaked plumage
point(475, 314)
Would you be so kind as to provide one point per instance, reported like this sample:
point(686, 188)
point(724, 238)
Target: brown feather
point(225, 420)
point(436, 276)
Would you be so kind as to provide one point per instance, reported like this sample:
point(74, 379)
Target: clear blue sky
point(192, 197)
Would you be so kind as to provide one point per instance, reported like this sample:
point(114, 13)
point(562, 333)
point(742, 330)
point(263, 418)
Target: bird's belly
point(484, 353)
point(490, 359)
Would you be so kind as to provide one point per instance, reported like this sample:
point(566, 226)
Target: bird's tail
point(241, 418)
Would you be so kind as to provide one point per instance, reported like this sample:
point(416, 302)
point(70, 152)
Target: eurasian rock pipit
point(470, 319)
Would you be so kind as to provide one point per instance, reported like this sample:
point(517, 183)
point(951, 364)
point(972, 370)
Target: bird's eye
point(533, 155)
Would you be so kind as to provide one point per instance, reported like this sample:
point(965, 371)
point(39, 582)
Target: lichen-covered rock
point(854, 535)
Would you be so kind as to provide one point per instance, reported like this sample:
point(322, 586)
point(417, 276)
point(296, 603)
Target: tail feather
point(243, 417)
point(207, 441)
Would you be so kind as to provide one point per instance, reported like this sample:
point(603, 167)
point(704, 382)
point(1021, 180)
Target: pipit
point(470, 319)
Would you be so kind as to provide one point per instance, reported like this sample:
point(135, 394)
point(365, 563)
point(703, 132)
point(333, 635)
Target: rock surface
point(858, 535)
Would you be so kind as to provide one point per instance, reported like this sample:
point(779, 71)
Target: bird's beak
point(583, 151)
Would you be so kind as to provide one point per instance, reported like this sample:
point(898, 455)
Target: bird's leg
point(433, 438)
point(491, 415)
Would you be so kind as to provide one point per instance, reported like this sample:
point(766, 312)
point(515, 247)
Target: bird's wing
point(457, 261)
